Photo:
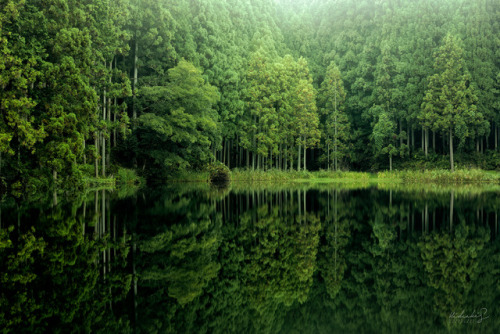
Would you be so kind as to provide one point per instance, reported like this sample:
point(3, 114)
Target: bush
point(219, 173)
point(127, 176)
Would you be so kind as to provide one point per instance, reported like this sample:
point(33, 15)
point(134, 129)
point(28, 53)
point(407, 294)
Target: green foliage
point(163, 87)
point(449, 104)
point(337, 126)
point(128, 176)
point(177, 131)
point(218, 173)
point(442, 176)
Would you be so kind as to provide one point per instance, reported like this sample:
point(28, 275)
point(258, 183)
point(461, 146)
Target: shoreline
point(406, 176)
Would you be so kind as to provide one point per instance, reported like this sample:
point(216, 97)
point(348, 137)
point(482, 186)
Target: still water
point(253, 259)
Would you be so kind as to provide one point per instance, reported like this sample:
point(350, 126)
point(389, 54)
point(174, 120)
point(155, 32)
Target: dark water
point(253, 259)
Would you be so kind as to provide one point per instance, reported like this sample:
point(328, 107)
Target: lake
point(253, 258)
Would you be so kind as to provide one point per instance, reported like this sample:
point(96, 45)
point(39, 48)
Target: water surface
point(253, 259)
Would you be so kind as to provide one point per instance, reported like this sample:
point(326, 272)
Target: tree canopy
point(161, 86)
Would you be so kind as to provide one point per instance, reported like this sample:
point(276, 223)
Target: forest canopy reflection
point(297, 258)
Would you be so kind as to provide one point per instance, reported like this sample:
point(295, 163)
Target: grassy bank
point(121, 177)
point(407, 176)
point(299, 176)
point(442, 176)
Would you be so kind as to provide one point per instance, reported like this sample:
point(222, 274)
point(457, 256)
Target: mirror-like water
point(253, 259)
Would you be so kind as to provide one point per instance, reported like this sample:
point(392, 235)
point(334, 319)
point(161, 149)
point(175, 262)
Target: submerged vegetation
point(161, 87)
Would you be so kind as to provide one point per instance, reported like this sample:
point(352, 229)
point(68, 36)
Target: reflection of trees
point(279, 258)
point(51, 274)
point(452, 265)
point(182, 259)
point(177, 258)
point(249, 261)
point(337, 235)
point(267, 262)
point(17, 258)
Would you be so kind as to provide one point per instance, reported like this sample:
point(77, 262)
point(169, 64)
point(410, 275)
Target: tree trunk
point(335, 140)
point(451, 152)
point(305, 154)
point(298, 158)
point(280, 158)
point(103, 140)
point(103, 156)
point(254, 144)
point(413, 137)
point(286, 157)
point(336, 136)
point(229, 143)
point(114, 130)
point(134, 88)
point(115, 111)
point(54, 203)
point(108, 149)
point(328, 152)
point(253, 160)
point(400, 131)
point(96, 142)
point(426, 141)
point(408, 137)
point(84, 157)
point(434, 141)
point(224, 149)
point(423, 138)
point(496, 137)
point(390, 162)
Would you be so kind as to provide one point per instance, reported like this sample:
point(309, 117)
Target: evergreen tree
point(337, 127)
point(449, 104)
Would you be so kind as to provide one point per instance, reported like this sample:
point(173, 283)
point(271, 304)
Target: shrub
point(219, 173)
point(127, 176)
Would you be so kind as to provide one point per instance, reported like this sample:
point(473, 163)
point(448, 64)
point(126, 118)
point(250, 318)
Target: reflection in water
point(292, 259)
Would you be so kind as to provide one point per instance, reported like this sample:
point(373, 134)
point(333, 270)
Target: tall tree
point(449, 103)
point(337, 124)
point(180, 124)
point(384, 135)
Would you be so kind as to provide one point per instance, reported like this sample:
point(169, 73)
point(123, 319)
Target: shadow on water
point(257, 258)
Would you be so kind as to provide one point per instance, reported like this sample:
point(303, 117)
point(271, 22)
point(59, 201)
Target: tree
point(20, 130)
point(449, 102)
point(337, 123)
point(384, 136)
point(305, 112)
point(181, 123)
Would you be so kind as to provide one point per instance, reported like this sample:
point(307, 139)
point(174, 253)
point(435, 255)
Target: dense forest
point(161, 86)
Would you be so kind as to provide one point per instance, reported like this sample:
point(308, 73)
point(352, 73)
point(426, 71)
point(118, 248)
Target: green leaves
point(181, 123)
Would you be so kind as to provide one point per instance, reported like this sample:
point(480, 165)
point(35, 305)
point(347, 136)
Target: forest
point(92, 87)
